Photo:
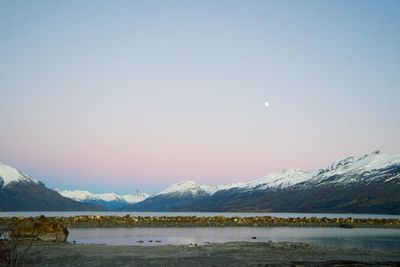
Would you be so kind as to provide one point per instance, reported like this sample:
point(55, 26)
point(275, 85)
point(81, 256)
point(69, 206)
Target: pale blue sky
point(125, 95)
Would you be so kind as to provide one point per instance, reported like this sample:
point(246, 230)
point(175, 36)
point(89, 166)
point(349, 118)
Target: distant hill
point(19, 192)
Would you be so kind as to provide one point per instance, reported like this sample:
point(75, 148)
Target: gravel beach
point(227, 254)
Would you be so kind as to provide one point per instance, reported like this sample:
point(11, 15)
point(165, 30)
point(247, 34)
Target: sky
point(115, 96)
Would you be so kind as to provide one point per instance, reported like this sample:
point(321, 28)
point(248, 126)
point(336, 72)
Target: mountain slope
point(276, 180)
point(368, 184)
point(380, 195)
point(187, 187)
point(19, 192)
point(176, 196)
point(188, 195)
point(110, 201)
point(349, 170)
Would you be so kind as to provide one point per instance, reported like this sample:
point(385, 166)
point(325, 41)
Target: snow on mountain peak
point(78, 195)
point(291, 176)
point(374, 161)
point(288, 177)
point(341, 164)
point(134, 198)
point(281, 179)
point(352, 169)
point(186, 186)
point(9, 174)
point(110, 197)
point(82, 195)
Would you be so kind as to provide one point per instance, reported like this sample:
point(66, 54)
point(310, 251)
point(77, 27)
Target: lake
point(366, 238)
point(198, 214)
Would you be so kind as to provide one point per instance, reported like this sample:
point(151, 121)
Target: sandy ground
point(227, 254)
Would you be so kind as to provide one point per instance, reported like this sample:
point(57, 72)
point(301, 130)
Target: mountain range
point(369, 184)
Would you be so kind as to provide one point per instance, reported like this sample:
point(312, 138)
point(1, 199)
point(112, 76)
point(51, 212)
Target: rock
point(39, 228)
point(343, 225)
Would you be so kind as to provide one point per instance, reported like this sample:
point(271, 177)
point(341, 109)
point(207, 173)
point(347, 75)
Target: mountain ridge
point(283, 190)
point(370, 183)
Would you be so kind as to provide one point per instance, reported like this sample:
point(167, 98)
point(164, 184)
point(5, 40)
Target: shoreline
point(90, 221)
point(214, 254)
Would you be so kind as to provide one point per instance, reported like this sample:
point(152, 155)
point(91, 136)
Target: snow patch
point(351, 169)
point(279, 180)
point(82, 195)
point(191, 187)
point(139, 196)
point(9, 174)
point(348, 170)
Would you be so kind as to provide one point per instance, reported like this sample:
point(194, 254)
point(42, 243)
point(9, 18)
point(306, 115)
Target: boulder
point(39, 228)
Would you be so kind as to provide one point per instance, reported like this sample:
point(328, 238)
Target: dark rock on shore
point(39, 228)
point(343, 225)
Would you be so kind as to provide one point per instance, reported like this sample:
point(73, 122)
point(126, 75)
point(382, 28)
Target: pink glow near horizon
point(161, 164)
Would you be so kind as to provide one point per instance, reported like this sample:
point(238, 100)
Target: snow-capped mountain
point(368, 184)
point(355, 170)
point(9, 174)
point(187, 187)
point(350, 170)
point(19, 191)
point(180, 194)
point(108, 200)
point(347, 185)
point(276, 180)
point(175, 196)
point(134, 198)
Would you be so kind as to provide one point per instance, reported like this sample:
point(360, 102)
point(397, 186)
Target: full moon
point(266, 104)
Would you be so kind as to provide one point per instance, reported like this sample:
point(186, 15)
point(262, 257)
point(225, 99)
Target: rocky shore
point(38, 228)
point(193, 221)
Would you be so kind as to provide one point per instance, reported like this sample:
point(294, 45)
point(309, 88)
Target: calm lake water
point(198, 214)
point(367, 238)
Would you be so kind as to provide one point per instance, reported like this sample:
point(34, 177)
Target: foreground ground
point(228, 254)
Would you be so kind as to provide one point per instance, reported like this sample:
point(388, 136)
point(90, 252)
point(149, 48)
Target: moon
point(266, 103)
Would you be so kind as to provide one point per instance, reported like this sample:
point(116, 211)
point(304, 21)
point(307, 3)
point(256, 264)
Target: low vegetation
point(14, 252)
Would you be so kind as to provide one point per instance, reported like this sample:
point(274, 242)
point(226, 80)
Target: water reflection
point(367, 238)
